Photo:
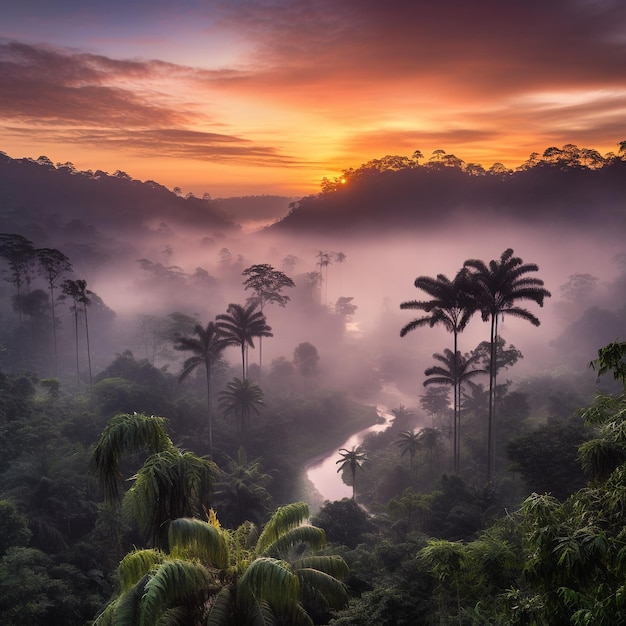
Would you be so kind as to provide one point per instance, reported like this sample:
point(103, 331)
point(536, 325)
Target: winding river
point(322, 473)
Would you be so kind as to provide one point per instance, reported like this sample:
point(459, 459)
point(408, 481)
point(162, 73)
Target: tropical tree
point(241, 324)
point(267, 284)
point(454, 371)
point(451, 305)
point(323, 261)
point(80, 295)
point(212, 576)
point(170, 484)
point(409, 443)
point(53, 264)
point(206, 348)
point(429, 438)
point(241, 398)
point(340, 257)
point(353, 459)
point(499, 287)
point(19, 254)
point(241, 491)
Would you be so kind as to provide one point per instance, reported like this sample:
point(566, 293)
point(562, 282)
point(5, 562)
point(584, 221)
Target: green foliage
point(343, 521)
point(14, 529)
point(611, 358)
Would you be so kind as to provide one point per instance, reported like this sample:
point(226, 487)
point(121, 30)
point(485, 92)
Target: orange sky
point(238, 97)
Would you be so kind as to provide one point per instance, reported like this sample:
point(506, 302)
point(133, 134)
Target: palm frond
point(128, 606)
point(193, 536)
point(272, 580)
point(328, 586)
point(286, 517)
point(221, 613)
point(312, 536)
point(332, 565)
point(126, 434)
point(136, 564)
point(170, 583)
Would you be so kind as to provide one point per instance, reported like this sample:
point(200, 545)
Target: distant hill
point(396, 193)
point(40, 193)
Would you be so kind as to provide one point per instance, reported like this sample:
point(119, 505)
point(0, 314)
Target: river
point(322, 473)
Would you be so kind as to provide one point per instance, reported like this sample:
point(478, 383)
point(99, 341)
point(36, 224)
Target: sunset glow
point(255, 97)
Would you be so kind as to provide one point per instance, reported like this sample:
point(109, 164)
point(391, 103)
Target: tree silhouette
point(241, 397)
point(409, 443)
point(19, 254)
point(499, 286)
point(206, 348)
point(453, 371)
point(452, 306)
point(267, 284)
point(353, 459)
point(78, 292)
point(241, 325)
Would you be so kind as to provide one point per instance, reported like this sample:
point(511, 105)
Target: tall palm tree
point(454, 371)
point(354, 459)
point(241, 324)
point(78, 292)
point(53, 264)
point(212, 576)
point(499, 287)
point(206, 347)
point(241, 397)
point(409, 442)
point(267, 284)
point(429, 437)
point(451, 305)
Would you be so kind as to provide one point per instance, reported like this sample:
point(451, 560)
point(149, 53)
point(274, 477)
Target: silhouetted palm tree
point(241, 397)
point(241, 325)
point(409, 442)
point(78, 292)
point(453, 371)
point(499, 287)
point(452, 305)
point(53, 264)
point(207, 347)
point(353, 459)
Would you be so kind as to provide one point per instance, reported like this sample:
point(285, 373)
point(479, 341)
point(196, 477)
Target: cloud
point(94, 100)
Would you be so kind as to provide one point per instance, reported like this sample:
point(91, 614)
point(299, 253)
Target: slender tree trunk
point(208, 398)
point(456, 408)
point(492, 377)
point(88, 345)
point(76, 341)
point(243, 360)
point(54, 332)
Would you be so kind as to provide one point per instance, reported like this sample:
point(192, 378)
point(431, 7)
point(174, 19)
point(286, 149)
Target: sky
point(250, 97)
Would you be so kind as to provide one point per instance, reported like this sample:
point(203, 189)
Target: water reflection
point(323, 472)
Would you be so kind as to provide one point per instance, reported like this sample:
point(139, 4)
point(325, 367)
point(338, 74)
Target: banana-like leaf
point(169, 585)
point(197, 538)
point(332, 589)
point(136, 564)
point(286, 517)
point(128, 605)
point(259, 613)
point(271, 580)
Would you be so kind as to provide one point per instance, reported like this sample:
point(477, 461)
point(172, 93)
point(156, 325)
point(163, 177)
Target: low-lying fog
point(378, 273)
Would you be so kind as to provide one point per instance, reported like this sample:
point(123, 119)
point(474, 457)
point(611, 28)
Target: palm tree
point(207, 347)
point(241, 325)
point(453, 371)
point(499, 286)
point(354, 459)
point(212, 576)
point(52, 265)
point(409, 442)
point(78, 292)
point(267, 284)
point(241, 492)
point(452, 306)
point(170, 484)
point(429, 437)
point(241, 397)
